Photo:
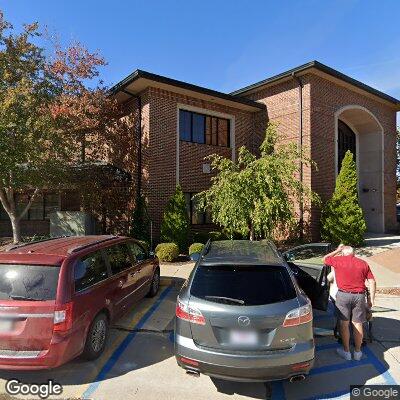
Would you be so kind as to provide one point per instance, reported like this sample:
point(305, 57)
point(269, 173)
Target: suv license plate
point(244, 338)
point(5, 325)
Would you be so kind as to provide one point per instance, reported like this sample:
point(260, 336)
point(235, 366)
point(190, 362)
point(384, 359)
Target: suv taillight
point(63, 317)
point(299, 316)
point(189, 313)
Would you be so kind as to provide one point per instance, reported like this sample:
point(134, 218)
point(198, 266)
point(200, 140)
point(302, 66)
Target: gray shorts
point(351, 306)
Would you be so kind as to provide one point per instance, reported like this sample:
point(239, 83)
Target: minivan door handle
point(121, 283)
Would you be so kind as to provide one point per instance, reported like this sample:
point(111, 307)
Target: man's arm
point(333, 253)
point(372, 290)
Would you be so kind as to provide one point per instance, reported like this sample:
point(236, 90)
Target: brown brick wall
point(327, 98)
point(160, 153)
point(321, 99)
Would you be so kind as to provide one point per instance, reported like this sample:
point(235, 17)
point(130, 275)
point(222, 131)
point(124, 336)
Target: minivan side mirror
point(195, 256)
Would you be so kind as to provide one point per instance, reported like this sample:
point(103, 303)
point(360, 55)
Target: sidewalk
point(382, 252)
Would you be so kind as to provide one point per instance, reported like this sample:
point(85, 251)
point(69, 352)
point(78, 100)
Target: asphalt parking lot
point(139, 363)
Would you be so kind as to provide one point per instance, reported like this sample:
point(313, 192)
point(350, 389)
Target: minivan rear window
point(28, 282)
point(243, 285)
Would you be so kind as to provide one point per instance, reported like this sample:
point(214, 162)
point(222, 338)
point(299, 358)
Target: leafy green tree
point(175, 224)
point(254, 195)
point(140, 224)
point(342, 217)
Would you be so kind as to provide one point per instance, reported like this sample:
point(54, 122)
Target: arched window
point(346, 141)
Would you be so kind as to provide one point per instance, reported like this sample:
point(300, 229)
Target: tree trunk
point(251, 229)
point(16, 229)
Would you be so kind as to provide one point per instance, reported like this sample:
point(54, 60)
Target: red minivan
point(58, 297)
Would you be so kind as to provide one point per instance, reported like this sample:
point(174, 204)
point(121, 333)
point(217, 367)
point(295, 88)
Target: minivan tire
point(96, 338)
point(155, 283)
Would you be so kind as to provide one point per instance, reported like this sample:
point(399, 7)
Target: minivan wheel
point(155, 283)
point(96, 338)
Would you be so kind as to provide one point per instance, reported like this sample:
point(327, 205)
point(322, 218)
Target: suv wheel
point(155, 283)
point(96, 338)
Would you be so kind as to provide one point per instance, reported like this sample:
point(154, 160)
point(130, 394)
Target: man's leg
point(358, 335)
point(343, 307)
point(359, 317)
point(345, 334)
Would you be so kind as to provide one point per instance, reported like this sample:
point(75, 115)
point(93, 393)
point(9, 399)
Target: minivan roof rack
point(17, 246)
point(84, 246)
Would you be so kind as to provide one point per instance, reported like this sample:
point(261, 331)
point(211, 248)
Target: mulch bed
point(391, 291)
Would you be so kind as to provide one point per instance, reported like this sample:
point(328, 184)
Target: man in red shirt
point(351, 274)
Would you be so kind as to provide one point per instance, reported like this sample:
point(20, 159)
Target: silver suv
point(245, 313)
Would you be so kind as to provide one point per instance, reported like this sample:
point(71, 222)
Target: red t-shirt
point(350, 272)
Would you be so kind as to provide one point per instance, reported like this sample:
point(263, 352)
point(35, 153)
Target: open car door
point(312, 275)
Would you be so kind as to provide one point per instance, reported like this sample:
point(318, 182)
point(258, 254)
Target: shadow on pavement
point(152, 344)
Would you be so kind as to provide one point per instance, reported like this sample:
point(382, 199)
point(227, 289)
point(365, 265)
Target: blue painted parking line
point(380, 367)
point(278, 391)
point(340, 394)
point(327, 346)
point(370, 359)
point(121, 348)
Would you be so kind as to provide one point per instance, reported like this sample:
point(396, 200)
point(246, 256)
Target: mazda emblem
point(244, 321)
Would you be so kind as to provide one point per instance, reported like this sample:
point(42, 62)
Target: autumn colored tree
point(50, 104)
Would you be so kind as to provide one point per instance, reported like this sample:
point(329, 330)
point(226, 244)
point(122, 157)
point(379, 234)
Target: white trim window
point(204, 129)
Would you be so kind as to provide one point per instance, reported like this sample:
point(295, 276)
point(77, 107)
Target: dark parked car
point(58, 297)
point(245, 313)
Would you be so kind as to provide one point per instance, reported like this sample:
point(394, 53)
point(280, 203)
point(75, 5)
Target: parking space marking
point(123, 345)
point(370, 359)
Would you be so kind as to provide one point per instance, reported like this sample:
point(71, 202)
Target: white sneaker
point(357, 355)
point(344, 354)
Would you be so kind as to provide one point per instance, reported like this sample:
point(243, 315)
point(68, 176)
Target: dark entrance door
point(346, 141)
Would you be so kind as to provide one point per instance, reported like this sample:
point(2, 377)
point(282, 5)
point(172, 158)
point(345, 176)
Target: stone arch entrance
point(358, 130)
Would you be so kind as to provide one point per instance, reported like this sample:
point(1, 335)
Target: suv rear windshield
point(28, 282)
point(243, 285)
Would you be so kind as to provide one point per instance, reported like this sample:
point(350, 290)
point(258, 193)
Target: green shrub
point(195, 248)
point(167, 251)
point(145, 245)
point(342, 218)
point(175, 224)
point(140, 221)
point(200, 237)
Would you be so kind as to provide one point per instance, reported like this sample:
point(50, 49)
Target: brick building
point(320, 108)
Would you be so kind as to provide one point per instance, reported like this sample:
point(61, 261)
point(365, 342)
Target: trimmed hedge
point(167, 251)
point(195, 248)
point(175, 226)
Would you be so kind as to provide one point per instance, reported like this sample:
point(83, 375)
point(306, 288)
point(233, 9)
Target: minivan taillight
point(189, 313)
point(63, 317)
point(299, 316)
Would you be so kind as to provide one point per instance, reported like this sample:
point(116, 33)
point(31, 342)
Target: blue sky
point(228, 44)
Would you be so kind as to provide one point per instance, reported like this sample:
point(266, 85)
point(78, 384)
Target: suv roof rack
point(206, 248)
point(17, 246)
point(84, 246)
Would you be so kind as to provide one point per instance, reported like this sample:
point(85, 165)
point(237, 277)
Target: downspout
point(300, 144)
point(139, 138)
